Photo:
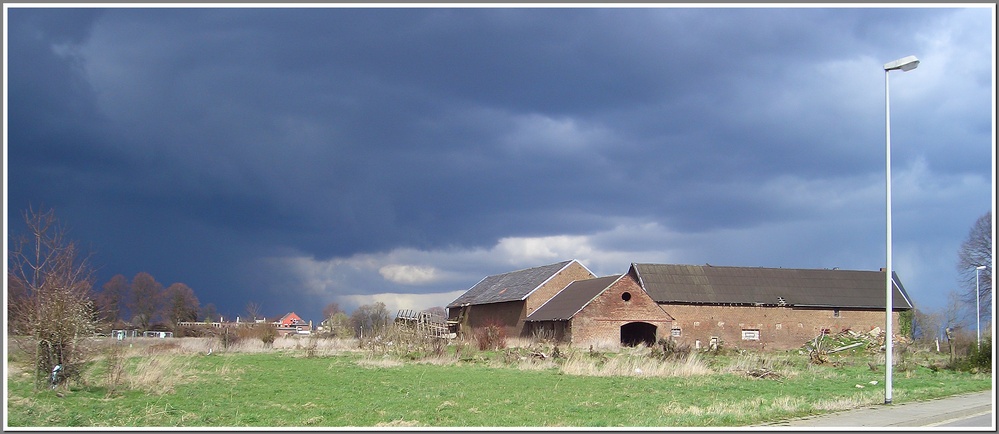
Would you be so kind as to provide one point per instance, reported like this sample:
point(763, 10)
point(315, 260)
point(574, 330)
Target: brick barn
point(598, 310)
point(508, 299)
point(767, 308)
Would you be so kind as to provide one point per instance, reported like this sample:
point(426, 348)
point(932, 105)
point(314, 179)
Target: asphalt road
point(969, 410)
point(981, 421)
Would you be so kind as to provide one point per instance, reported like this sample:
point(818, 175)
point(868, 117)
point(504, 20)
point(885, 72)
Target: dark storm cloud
point(196, 141)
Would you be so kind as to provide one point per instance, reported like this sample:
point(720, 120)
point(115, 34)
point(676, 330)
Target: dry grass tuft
point(384, 362)
point(774, 366)
point(323, 346)
point(160, 374)
point(864, 398)
point(631, 366)
point(398, 422)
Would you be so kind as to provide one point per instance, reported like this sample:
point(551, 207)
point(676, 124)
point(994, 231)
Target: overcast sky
point(296, 157)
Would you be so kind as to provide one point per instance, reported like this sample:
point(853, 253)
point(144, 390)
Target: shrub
point(228, 338)
point(978, 359)
point(491, 337)
point(115, 359)
point(668, 349)
point(267, 333)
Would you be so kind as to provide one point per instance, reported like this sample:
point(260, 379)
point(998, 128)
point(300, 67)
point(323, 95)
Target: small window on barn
point(626, 296)
point(750, 335)
point(675, 332)
point(836, 313)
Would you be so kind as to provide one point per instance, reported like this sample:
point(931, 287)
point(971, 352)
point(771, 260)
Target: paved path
point(911, 414)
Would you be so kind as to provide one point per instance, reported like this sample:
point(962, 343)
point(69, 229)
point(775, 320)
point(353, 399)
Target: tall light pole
point(904, 64)
point(978, 310)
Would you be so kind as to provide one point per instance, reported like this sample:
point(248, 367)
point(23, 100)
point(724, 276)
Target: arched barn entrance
point(635, 333)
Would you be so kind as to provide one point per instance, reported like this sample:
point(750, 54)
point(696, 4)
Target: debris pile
point(824, 344)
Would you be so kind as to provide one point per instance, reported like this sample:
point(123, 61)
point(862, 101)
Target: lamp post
point(978, 310)
point(904, 64)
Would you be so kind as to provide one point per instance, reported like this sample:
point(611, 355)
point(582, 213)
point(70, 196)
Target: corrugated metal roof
point(668, 283)
point(512, 286)
point(572, 299)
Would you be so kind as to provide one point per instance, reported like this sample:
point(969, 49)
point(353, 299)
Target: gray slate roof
point(572, 299)
point(667, 283)
point(512, 286)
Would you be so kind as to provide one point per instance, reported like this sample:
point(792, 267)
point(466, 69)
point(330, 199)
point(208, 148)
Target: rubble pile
point(871, 342)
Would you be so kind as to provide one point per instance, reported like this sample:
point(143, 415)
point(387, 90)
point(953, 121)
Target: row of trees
point(147, 302)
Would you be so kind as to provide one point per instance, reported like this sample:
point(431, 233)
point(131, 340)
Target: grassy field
point(303, 383)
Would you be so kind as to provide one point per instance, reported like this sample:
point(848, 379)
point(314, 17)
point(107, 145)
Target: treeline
point(145, 304)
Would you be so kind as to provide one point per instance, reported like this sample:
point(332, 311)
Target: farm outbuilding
point(697, 305)
point(508, 299)
point(768, 308)
point(604, 309)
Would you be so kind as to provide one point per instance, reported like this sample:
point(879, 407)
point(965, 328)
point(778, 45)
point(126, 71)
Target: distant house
point(508, 299)
point(771, 308)
point(291, 323)
point(612, 308)
point(290, 320)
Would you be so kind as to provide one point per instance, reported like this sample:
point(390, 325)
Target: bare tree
point(336, 322)
point(976, 251)
point(52, 304)
point(180, 303)
point(369, 319)
point(111, 300)
point(253, 309)
point(331, 309)
point(927, 326)
point(209, 312)
point(436, 311)
point(146, 299)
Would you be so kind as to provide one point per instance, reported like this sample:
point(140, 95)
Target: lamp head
point(905, 64)
point(980, 267)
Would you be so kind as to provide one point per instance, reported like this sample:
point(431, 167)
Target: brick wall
point(571, 273)
point(507, 314)
point(601, 320)
point(778, 327)
point(511, 314)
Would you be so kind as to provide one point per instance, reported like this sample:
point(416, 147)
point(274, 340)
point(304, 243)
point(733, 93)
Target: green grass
point(286, 389)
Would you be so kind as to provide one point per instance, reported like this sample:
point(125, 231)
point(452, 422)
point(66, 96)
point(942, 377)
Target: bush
point(978, 359)
point(228, 338)
point(491, 337)
point(267, 334)
point(668, 349)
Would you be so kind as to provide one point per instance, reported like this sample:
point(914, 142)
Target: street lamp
point(904, 64)
point(978, 310)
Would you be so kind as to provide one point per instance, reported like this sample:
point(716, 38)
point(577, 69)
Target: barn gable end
point(603, 311)
point(507, 299)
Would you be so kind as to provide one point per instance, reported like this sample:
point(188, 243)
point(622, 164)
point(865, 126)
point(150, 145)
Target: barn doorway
point(638, 333)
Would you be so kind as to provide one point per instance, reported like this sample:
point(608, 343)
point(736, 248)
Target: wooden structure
point(423, 323)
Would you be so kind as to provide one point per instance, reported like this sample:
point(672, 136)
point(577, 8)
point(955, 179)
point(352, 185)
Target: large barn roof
point(667, 283)
point(512, 286)
point(572, 299)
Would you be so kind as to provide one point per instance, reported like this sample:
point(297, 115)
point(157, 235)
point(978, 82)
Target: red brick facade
point(601, 320)
point(776, 328)
point(511, 314)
